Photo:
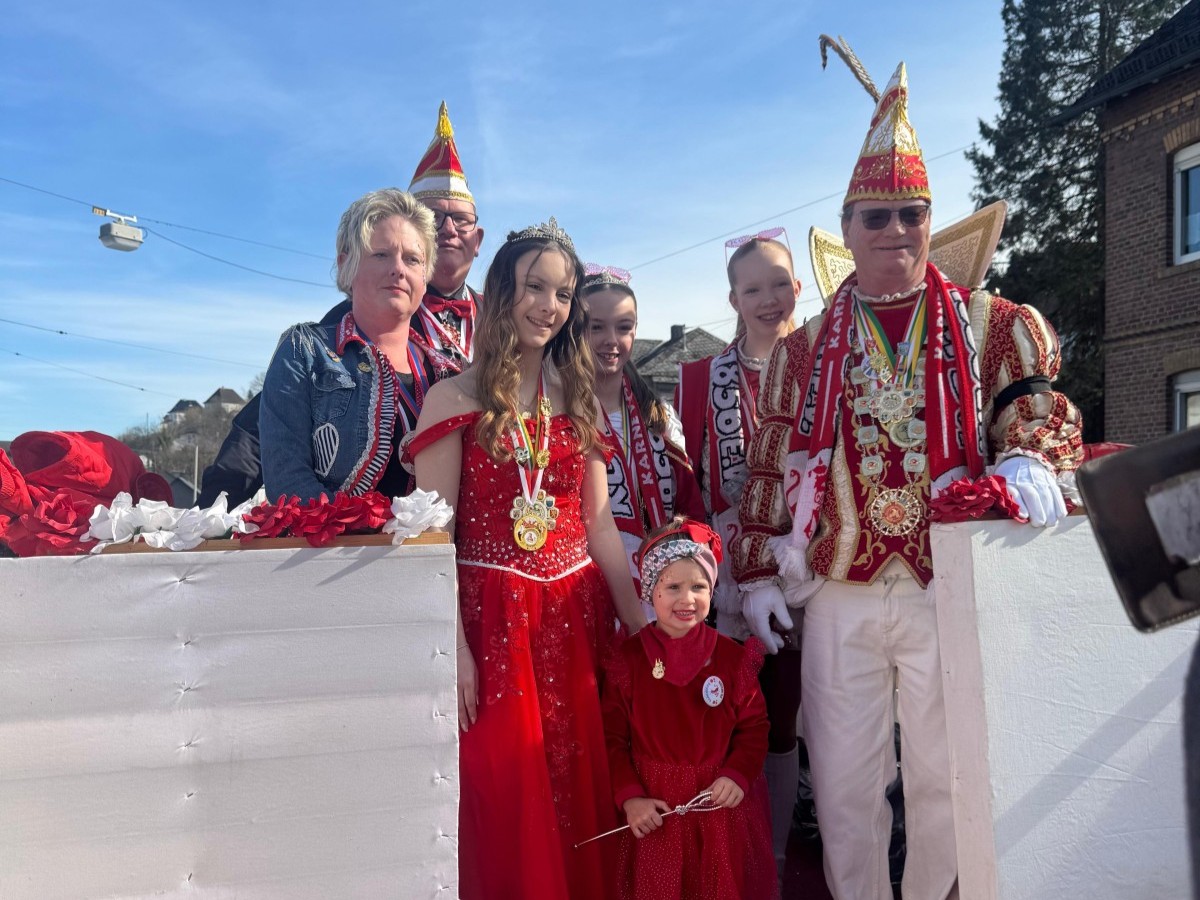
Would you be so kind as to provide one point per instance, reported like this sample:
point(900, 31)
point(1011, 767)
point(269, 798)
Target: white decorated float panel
point(265, 723)
point(1064, 722)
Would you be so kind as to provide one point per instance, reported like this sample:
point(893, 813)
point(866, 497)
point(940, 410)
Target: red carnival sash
point(641, 487)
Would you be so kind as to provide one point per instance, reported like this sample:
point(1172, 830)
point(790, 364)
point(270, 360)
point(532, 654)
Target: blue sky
point(646, 129)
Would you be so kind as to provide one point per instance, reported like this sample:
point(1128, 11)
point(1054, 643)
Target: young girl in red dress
point(683, 715)
point(511, 444)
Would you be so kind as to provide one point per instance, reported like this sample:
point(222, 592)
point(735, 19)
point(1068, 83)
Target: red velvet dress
point(534, 773)
point(666, 741)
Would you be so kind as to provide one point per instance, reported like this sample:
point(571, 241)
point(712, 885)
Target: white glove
point(1033, 489)
point(758, 605)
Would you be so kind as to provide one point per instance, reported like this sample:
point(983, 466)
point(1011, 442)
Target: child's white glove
point(758, 605)
point(1033, 489)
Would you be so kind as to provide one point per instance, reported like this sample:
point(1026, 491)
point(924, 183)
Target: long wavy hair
point(757, 245)
point(497, 377)
point(653, 410)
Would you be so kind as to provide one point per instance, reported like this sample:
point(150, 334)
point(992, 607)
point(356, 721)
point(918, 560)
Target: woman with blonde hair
point(340, 395)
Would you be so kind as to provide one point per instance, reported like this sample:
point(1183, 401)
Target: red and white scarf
point(731, 423)
point(954, 399)
point(640, 478)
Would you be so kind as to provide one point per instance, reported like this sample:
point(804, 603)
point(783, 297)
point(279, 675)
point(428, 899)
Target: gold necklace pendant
point(895, 512)
point(533, 520)
point(529, 531)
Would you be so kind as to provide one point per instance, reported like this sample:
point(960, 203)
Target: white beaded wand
point(702, 802)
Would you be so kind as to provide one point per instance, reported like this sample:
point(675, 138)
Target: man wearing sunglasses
point(907, 383)
point(446, 319)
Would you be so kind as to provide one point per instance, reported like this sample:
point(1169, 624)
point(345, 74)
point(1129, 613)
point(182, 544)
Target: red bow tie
point(464, 309)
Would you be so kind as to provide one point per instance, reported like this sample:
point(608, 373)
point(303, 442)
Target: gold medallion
point(659, 670)
point(895, 512)
point(529, 531)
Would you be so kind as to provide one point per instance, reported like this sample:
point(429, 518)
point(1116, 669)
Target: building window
point(1187, 204)
point(1186, 396)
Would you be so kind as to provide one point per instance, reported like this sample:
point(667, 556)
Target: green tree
point(1052, 175)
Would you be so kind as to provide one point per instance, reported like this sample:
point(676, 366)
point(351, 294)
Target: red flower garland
point(321, 520)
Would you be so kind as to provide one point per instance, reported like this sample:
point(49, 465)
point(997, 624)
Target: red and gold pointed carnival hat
point(890, 165)
point(440, 173)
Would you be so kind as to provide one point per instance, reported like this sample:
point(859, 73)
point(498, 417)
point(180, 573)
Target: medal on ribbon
point(533, 510)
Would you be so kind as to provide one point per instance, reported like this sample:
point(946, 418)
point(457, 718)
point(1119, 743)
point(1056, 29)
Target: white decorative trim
point(326, 441)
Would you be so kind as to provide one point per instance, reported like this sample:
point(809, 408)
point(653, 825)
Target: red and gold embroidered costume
point(866, 414)
point(1014, 342)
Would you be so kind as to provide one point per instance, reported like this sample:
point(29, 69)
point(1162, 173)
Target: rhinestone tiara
point(594, 274)
point(548, 231)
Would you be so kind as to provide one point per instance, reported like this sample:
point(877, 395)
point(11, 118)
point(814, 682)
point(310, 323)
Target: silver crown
point(604, 278)
point(548, 231)
point(595, 275)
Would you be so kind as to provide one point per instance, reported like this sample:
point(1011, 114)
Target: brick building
point(1150, 128)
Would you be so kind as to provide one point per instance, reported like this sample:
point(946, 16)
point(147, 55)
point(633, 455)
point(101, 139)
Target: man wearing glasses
point(907, 383)
point(446, 319)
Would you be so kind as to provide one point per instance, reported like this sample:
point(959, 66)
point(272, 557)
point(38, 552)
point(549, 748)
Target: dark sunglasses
point(878, 219)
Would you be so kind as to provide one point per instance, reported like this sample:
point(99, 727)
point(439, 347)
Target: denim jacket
point(331, 413)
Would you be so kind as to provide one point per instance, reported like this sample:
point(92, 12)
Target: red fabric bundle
point(54, 479)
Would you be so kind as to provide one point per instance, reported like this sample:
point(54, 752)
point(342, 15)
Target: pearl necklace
point(888, 298)
point(753, 363)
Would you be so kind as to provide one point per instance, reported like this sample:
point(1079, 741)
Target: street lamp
point(121, 233)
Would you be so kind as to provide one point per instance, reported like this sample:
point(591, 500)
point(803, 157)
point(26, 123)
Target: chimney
point(676, 333)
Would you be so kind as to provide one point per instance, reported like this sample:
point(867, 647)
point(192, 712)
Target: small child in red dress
point(683, 714)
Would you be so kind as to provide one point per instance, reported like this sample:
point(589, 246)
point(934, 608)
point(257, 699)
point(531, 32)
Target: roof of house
point(225, 395)
point(642, 346)
point(183, 406)
point(1174, 46)
point(662, 361)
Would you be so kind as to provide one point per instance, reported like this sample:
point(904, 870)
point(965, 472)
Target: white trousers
point(861, 644)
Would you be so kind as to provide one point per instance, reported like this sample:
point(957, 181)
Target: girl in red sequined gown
point(512, 445)
point(683, 714)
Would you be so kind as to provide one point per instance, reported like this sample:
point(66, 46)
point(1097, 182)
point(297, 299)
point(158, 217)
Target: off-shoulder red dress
point(534, 771)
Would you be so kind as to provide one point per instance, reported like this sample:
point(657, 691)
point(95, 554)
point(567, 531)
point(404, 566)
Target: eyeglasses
point(464, 223)
point(878, 218)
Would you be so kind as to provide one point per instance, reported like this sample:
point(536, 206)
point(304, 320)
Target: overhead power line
point(88, 337)
point(227, 262)
point(742, 229)
point(47, 362)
